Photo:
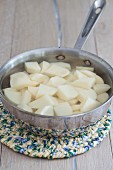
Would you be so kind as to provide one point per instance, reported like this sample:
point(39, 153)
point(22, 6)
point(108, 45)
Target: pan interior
point(72, 56)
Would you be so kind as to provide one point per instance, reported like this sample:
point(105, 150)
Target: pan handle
point(58, 23)
point(94, 13)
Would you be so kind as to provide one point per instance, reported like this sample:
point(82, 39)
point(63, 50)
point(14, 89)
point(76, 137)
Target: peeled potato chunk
point(62, 64)
point(76, 107)
point(56, 89)
point(20, 80)
point(85, 83)
point(39, 78)
point(63, 109)
point(71, 77)
point(84, 68)
point(76, 112)
point(60, 100)
point(13, 96)
point(26, 97)
point(55, 70)
point(33, 91)
point(101, 88)
point(44, 66)
point(66, 92)
point(102, 97)
point(46, 110)
point(83, 94)
point(10, 89)
point(43, 101)
point(99, 80)
point(89, 104)
point(73, 101)
point(80, 75)
point(44, 89)
point(25, 107)
point(56, 81)
point(88, 73)
point(32, 67)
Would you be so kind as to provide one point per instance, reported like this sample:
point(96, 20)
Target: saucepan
point(76, 57)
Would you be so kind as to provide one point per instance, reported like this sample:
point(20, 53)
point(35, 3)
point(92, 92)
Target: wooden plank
point(32, 29)
point(72, 19)
point(7, 8)
point(104, 43)
point(35, 26)
point(98, 158)
point(17, 161)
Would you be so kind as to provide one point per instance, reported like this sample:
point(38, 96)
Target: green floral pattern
point(50, 144)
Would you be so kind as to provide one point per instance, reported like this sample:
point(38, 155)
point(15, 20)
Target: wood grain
point(7, 10)
point(12, 161)
point(35, 26)
point(104, 44)
point(72, 19)
point(26, 25)
point(99, 158)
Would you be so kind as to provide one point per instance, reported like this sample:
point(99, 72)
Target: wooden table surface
point(30, 24)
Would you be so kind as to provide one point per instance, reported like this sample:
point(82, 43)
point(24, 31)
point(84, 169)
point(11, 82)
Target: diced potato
point(76, 107)
point(102, 97)
point(62, 64)
point(63, 109)
point(60, 100)
point(39, 78)
point(79, 89)
point(55, 70)
point(83, 94)
point(20, 80)
point(88, 73)
point(42, 101)
point(25, 107)
point(33, 91)
point(55, 100)
point(44, 89)
point(84, 68)
point(23, 90)
point(76, 112)
point(32, 67)
point(81, 98)
point(47, 110)
point(56, 81)
point(101, 88)
point(26, 97)
point(89, 104)
point(34, 83)
point(44, 66)
point(13, 96)
point(73, 101)
point(71, 77)
point(61, 89)
point(99, 80)
point(80, 75)
point(10, 89)
point(66, 92)
point(85, 83)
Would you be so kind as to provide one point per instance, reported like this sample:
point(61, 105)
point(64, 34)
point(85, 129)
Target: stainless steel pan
point(75, 57)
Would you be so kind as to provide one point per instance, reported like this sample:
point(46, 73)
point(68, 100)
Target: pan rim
point(81, 52)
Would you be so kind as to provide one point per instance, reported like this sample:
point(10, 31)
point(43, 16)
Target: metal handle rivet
point(60, 57)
